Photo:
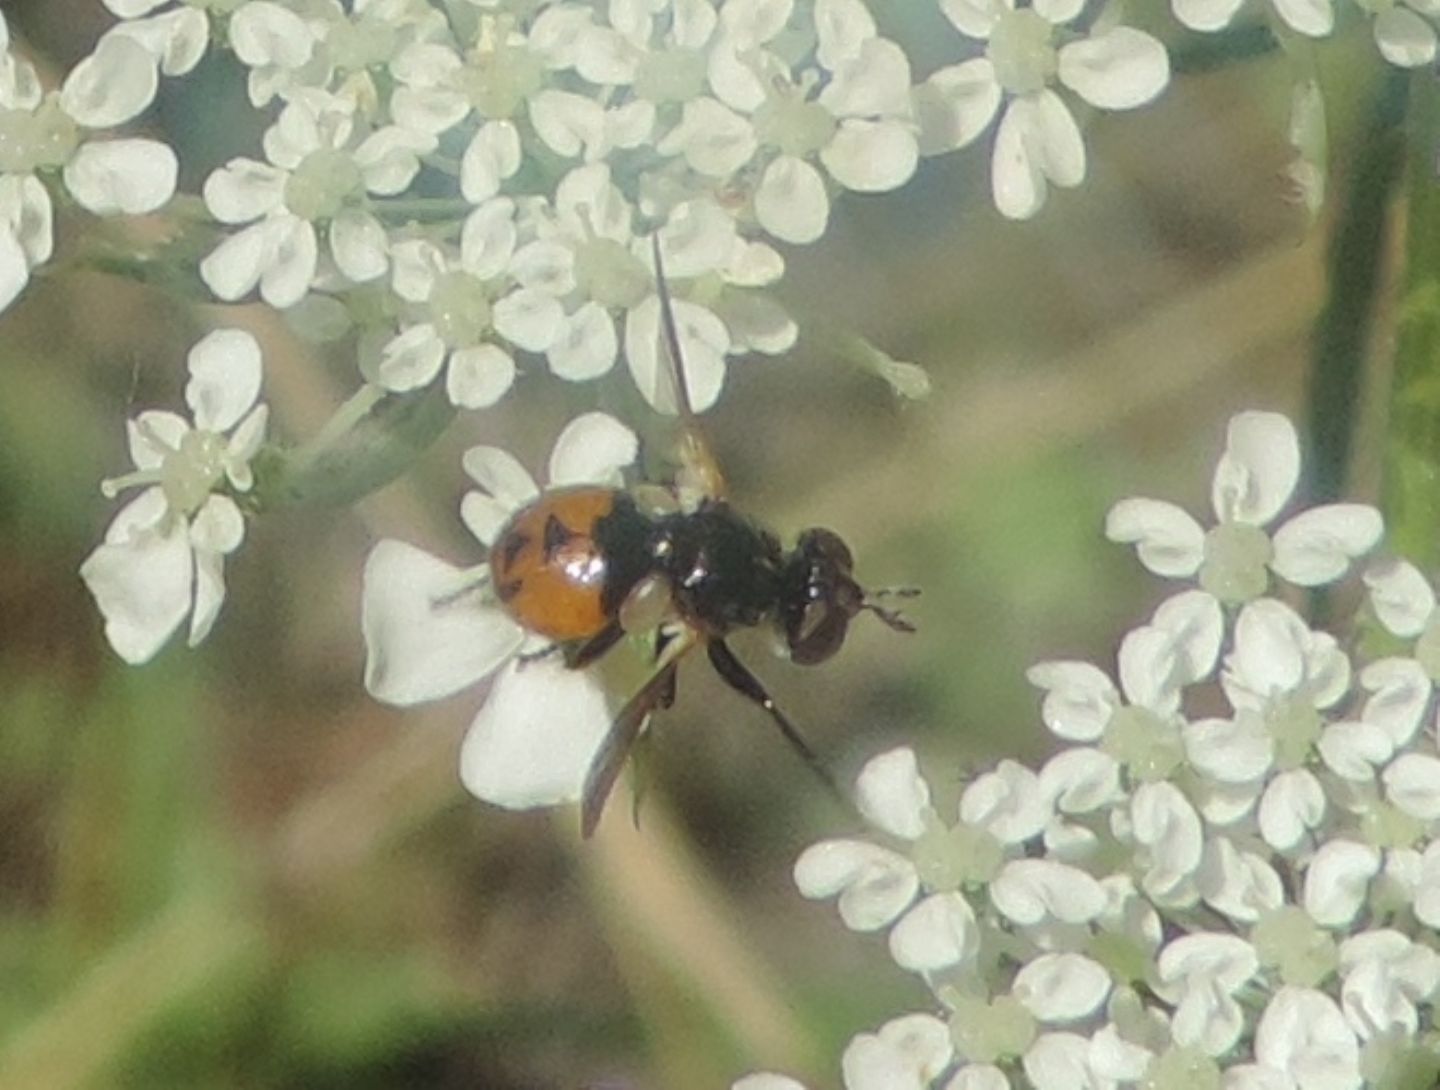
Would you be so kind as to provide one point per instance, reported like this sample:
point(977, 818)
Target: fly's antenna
point(892, 617)
point(695, 453)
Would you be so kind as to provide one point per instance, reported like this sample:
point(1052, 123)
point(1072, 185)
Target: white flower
point(877, 886)
point(41, 134)
point(1038, 142)
point(1254, 479)
point(505, 78)
point(431, 629)
point(1303, 826)
point(850, 112)
point(314, 176)
point(1200, 974)
point(1138, 724)
point(1279, 677)
point(589, 256)
point(1302, 1038)
point(466, 302)
point(164, 553)
point(1385, 976)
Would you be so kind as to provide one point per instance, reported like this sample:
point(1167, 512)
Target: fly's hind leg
point(578, 653)
point(738, 677)
point(582, 654)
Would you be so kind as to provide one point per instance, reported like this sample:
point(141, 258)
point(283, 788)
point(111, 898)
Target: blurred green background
point(231, 869)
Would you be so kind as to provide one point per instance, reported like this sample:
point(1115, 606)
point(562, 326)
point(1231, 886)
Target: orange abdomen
point(548, 571)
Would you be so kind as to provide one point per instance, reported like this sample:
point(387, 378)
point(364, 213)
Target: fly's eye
point(816, 631)
point(825, 545)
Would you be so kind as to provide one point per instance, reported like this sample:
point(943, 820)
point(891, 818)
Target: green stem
point(1357, 259)
point(373, 438)
point(1411, 493)
point(421, 208)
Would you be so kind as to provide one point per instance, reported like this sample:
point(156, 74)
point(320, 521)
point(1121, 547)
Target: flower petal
point(113, 85)
point(143, 589)
point(871, 156)
point(874, 884)
point(704, 341)
point(534, 740)
point(1315, 18)
point(1061, 987)
point(427, 631)
point(109, 177)
point(225, 374)
point(1401, 596)
point(892, 795)
point(1316, 546)
point(790, 201)
point(1259, 469)
point(587, 345)
point(593, 449)
point(956, 104)
point(1079, 699)
point(1117, 69)
point(478, 377)
point(1337, 880)
point(1168, 541)
point(1404, 39)
point(937, 933)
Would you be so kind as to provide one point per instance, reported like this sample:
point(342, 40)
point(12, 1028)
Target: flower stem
point(372, 438)
point(1357, 260)
point(1411, 493)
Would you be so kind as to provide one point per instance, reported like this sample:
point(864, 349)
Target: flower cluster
point(496, 172)
point(494, 166)
point(50, 135)
point(1230, 874)
point(163, 556)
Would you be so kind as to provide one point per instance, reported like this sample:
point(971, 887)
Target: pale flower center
point(190, 473)
point(1124, 957)
point(1235, 559)
point(947, 859)
point(789, 121)
point(1149, 746)
point(1295, 726)
point(985, 1032)
point(1387, 826)
point(357, 46)
point(1021, 52)
point(501, 75)
point(610, 274)
point(1289, 940)
point(671, 75)
point(322, 184)
point(460, 309)
point(1182, 1069)
point(46, 137)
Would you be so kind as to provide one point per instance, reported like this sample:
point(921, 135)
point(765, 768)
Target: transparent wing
point(610, 758)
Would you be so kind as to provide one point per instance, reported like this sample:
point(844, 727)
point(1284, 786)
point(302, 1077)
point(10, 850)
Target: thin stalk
point(1411, 493)
point(1356, 262)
